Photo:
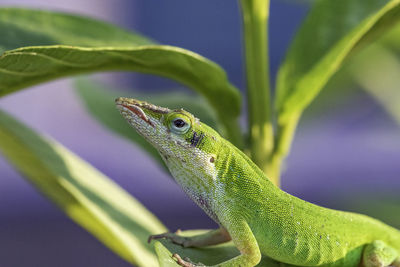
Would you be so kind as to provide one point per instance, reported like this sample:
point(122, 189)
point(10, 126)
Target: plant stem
point(285, 134)
point(255, 26)
point(233, 131)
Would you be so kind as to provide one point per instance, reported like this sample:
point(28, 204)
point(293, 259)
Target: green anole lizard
point(251, 211)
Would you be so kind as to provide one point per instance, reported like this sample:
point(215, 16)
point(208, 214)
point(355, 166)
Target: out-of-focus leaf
point(381, 206)
point(26, 27)
point(83, 193)
point(392, 38)
point(100, 102)
point(332, 31)
point(101, 51)
point(164, 256)
point(211, 255)
point(378, 73)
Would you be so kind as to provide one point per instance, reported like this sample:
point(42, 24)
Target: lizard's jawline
point(138, 112)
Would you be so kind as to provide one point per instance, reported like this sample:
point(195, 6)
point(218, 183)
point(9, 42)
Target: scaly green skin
point(258, 216)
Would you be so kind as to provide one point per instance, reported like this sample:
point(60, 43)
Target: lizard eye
point(179, 123)
point(179, 126)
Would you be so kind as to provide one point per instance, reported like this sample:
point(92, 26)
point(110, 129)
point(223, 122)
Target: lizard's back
point(308, 234)
point(294, 231)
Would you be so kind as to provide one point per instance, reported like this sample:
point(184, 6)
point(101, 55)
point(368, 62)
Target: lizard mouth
point(123, 105)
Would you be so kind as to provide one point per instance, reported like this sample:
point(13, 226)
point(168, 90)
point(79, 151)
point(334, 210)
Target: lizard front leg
point(379, 254)
point(245, 242)
point(213, 237)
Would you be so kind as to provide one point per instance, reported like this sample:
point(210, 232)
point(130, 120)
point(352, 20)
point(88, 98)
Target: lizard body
point(260, 218)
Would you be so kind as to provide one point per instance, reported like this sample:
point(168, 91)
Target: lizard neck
point(241, 184)
point(196, 177)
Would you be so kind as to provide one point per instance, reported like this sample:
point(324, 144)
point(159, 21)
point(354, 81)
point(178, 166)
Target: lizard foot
point(379, 254)
point(176, 239)
point(396, 263)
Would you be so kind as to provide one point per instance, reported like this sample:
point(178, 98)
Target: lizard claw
point(176, 239)
point(182, 262)
point(155, 237)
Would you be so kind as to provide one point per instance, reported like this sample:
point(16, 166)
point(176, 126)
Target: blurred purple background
point(346, 149)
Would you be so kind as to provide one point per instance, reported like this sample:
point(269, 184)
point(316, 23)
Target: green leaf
point(211, 255)
point(87, 46)
point(392, 38)
point(377, 71)
point(332, 31)
point(26, 27)
point(28, 66)
point(83, 193)
point(164, 256)
point(100, 103)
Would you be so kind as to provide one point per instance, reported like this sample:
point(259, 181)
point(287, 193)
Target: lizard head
point(182, 140)
point(188, 147)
